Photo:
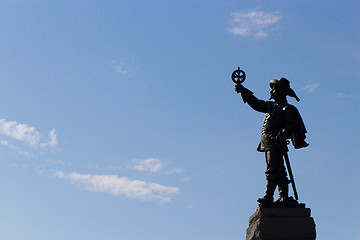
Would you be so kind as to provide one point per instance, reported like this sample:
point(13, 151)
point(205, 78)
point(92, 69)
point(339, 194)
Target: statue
point(282, 121)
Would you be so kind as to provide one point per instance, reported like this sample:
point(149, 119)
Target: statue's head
point(280, 89)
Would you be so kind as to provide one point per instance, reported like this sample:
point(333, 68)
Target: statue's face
point(277, 93)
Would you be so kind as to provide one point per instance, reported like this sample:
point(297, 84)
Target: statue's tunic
point(273, 124)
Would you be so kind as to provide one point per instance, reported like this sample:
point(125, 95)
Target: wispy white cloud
point(20, 132)
point(40, 169)
point(53, 140)
point(58, 174)
point(127, 68)
point(347, 95)
point(147, 165)
point(26, 133)
point(60, 162)
point(120, 186)
point(15, 148)
point(311, 87)
point(174, 170)
point(114, 167)
point(253, 23)
point(121, 69)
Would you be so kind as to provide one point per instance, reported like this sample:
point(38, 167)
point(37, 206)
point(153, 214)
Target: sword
point(292, 180)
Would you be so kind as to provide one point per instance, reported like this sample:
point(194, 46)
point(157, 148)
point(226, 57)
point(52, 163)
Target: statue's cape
point(298, 135)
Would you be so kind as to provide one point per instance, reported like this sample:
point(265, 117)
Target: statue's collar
point(281, 103)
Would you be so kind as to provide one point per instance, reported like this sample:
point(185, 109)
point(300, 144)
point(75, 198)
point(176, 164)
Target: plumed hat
point(284, 84)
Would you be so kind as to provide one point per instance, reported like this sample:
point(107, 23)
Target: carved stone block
point(281, 224)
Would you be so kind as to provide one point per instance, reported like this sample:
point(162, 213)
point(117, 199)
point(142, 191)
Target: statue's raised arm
point(238, 77)
point(249, 98)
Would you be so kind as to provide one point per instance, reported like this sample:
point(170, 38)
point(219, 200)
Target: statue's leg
point(283, 183)
point(283, 189)
point(269, 193)
point(271, 174)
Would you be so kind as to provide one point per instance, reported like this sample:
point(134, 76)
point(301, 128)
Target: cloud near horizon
point(120, 186)
point(252, 23)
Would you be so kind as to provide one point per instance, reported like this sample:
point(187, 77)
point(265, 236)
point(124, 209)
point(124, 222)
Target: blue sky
point(119, 119)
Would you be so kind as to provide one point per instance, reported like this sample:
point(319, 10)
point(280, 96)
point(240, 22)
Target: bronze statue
point(282, 121)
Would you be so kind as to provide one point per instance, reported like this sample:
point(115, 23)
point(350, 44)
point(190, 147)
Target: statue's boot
point(283, 190)
point(269, 193)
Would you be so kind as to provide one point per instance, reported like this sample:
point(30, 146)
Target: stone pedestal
point(281, 224)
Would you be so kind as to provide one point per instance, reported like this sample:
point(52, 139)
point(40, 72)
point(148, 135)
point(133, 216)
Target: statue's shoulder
point(290, 108)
